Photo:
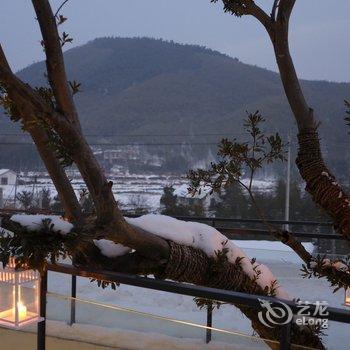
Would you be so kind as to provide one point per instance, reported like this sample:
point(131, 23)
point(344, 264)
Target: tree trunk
point(320, 183)
point(39, 135)
point(59, 178)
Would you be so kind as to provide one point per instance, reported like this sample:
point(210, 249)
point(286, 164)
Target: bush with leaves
point(45, 195)
point(26, 199)
point(238, 159)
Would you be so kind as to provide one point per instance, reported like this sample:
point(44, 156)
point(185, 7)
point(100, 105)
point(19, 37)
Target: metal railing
point(249, 300)
point(209, 220)
point(335, 314)
point(214, 220)
point(218, 222)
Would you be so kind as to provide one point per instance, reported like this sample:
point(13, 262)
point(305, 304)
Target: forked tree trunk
point(320, 183)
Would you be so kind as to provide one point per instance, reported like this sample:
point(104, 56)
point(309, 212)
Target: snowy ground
point(282, 262)
point(148, 188)
point(127, 187)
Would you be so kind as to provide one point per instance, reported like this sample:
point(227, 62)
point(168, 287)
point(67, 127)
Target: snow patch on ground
point(35, 222)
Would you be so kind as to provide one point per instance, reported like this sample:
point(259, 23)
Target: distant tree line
point(234, 203)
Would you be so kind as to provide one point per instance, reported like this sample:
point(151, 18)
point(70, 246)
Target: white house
point(7, 177)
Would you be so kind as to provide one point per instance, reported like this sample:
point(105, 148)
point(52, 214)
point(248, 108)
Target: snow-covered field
point(148, 188)
point(128, 188)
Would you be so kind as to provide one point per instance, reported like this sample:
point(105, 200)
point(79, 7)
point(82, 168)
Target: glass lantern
point(19, 296)
point(347, 297)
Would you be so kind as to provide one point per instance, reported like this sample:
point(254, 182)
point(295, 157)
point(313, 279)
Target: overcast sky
point(319, 31)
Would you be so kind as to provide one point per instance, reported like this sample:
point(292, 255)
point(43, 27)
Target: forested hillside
point(144, 86)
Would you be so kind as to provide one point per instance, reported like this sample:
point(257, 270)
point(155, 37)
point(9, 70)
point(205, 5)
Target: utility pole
point(1, 198)
point(286, 210)
point(15, 199)
point(40, 200)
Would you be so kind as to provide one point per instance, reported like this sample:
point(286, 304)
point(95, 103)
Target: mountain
point(144, 86)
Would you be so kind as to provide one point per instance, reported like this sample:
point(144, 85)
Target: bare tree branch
point(3, 61)
point(284, 236)
point(54, 60)
point(60, 7)
point(60, 180)
point(248, 7)
point(256, 11)
point(274, 9)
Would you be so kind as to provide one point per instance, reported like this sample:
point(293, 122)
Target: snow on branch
point(111, 249)
point(192, 234)
point(211, 242)
point(35, 222)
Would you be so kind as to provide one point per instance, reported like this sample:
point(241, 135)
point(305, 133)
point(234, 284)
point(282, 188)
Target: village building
point(7, 177)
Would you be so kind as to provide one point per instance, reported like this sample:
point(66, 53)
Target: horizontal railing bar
point(246, 231)
point(194, 218)
point(335, 314)
point(256, 221)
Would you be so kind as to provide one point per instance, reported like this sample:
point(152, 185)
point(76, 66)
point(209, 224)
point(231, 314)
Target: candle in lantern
point(22, 311)
point(347, 297)
point(19, 301)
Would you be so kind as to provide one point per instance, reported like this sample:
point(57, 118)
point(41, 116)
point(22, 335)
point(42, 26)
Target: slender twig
point(272, 228)
point(59, 9)
point(252, 166)
point(274, 9)
point(283, 236)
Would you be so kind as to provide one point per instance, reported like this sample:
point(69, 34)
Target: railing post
point(285, 341)
point(72, 302)
point(42, 324)
point(209, 322)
